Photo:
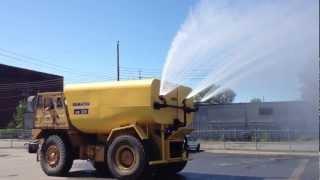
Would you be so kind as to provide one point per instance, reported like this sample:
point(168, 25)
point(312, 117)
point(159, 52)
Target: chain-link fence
point(263, 140)
point(268, 140)
point(14, 138)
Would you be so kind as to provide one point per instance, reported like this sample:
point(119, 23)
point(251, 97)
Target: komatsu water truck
point(124, 128)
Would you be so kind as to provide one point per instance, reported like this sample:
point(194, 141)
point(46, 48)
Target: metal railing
point(258, 140)
point(15, 134)
point(263, 140)
point(14, 138)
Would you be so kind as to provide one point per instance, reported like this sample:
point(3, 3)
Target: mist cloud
point(233, 43)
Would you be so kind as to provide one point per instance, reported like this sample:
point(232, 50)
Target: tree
point(225, 97)
point(255, 100)
point(202, 93)
point(18, 116)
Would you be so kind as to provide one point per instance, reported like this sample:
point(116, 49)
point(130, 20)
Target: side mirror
point(31, 104)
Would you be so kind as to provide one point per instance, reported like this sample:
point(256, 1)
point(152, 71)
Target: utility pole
point(118, 63)
point(140, 74)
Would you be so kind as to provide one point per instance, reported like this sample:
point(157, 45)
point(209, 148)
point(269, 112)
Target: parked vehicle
point(192, 144)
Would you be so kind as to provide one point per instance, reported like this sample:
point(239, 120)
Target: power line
point(35, 61)
point(128, 72)
point(24, 58)
point(32, 58)
point(133, 68)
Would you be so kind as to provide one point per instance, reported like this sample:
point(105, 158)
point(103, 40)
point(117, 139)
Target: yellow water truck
point(124, 128)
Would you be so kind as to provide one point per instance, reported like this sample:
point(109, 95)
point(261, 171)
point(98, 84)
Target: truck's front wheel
point(126, 157)
point(55, 156)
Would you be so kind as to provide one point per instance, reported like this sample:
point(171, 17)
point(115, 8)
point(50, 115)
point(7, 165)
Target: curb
point(267, 153)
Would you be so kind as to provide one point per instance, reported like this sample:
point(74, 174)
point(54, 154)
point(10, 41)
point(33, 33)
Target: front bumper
point(173, 160)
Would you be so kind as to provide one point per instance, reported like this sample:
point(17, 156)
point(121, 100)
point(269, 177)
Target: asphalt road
point(17, 164)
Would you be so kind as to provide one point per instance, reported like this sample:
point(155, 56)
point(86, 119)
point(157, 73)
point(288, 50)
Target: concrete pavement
point(16, 164)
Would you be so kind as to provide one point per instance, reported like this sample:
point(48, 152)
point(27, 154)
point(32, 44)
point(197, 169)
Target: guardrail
point(14, 138)
point(258, 140)
point(15, 134)
point(13, 143)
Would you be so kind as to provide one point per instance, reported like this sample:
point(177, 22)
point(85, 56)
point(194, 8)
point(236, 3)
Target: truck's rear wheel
point(126, 157)
point(55, 156)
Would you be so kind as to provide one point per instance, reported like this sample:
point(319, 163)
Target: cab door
point(49, 112)
point(39, 111)
point(60, 110)
point(54, 111)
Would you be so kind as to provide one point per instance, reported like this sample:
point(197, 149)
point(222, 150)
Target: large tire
point(55, 156)
point(171, 168)
point(126, 158)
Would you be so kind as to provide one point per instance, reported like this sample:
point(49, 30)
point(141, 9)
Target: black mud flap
point(33, 147)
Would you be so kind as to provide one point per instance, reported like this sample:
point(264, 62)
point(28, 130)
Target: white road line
point(298, 171)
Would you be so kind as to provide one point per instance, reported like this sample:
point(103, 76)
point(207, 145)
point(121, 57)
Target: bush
point(18, 116)
point(264, 137)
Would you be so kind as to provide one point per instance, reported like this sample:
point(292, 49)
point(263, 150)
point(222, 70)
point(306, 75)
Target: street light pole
point(139, 77)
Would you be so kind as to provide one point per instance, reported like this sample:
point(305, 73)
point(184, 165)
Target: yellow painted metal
point(180, 133)
point(168, 161)
point(51, 118)
point(137, 129)
point(115, 104)
point(157, 162)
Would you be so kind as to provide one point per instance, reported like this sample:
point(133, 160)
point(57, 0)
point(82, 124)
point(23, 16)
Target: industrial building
point(294, 115)
point(17, 84)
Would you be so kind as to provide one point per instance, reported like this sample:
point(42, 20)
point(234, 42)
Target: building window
point(265, 111)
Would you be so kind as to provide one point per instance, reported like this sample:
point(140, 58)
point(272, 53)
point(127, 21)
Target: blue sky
point(82, 35)
point(77, 38)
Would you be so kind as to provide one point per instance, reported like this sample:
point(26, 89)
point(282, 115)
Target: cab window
point(59, 102)
point(48, 103)
point(40, 102)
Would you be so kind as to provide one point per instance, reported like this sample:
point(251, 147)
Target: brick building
point(17, 84)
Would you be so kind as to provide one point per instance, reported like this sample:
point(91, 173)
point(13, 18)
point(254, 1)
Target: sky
point(77, 39)
point(82, 35)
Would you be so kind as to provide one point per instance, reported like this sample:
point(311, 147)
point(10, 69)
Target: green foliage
point(4, 131)
point(264, 137)
point(18, 116)
point(225, 97)
point(11, 125)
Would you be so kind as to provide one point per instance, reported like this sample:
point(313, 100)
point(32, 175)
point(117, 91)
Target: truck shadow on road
point(181, 176)
point(200, 176)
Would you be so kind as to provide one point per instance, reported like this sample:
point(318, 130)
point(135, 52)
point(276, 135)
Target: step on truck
point(124, 128)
